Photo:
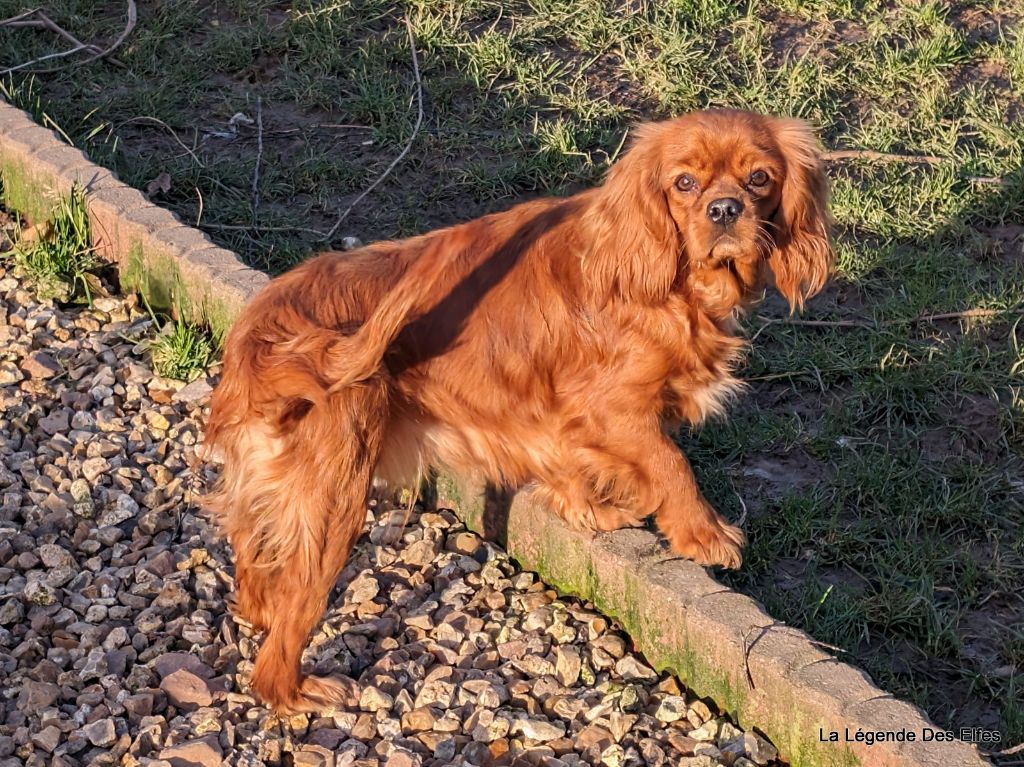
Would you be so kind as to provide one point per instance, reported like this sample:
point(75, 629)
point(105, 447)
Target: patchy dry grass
point(880, 463)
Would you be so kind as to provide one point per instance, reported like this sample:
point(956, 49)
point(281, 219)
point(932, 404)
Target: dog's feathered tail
point(341, 360)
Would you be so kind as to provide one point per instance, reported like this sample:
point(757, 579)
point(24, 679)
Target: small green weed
point(181, 351)
point(23, 94)
point(62, 263)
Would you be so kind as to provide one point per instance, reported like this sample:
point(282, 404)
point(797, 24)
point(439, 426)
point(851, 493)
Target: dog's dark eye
point(758, 178)
point(686, 183)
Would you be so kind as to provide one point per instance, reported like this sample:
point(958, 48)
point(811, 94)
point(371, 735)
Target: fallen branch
point(1006, 751)
point(48, 57)
point(990, 180)
point(743, 517)
point(133, 17)
point(873, 156)
point(199, 211)
point(19, 17)
point(769, 321)
point(45, 22)
point(262, 228)
point(42, 21)
point(293, 131)
point(816, 371)
point(826, 645)
point(817, 323)
point(408, 146)
point(191, 152)
point(339, 126)
point(864, 324)
point(259, 158)
point(749, 646)
point(870, 155)
point(964, 315)
point(168, 128)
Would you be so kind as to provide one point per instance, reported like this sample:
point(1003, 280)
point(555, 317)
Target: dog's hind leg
point(297, 513)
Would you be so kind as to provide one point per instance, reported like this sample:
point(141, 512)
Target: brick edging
point(721, 643)
point(177, 267)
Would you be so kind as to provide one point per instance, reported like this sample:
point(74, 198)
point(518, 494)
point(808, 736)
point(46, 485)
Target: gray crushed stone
point(116, 647)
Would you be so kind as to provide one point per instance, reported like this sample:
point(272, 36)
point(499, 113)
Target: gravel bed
point(116, 647)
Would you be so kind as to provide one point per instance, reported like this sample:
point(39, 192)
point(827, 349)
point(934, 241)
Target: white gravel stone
point(101, 732)
point(38, 592)
point(53, 555)
point(94, 468)
point(671, 709)
point(372, 699)
point(124, 508)
point(706, 732)
point(540, 729)
point(631, 669)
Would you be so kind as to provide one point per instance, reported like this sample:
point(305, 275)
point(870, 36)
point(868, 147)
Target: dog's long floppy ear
point(633, 249)
point(802, 257)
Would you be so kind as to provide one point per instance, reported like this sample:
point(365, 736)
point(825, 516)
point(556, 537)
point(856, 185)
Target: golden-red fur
point(551, 345)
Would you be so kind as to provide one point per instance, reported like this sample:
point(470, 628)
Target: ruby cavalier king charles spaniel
point(555, 345)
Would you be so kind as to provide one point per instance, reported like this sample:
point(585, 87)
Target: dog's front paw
point(710, 541)
point(724, 547)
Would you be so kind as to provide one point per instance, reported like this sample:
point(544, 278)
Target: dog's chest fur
point(702, 383)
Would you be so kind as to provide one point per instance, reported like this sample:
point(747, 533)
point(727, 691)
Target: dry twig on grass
point(259, 158)
point(872, 156)
point(261, 228)
point(165, 126)
point(749, 646)
point(199, 206)
point(41, 20)
point(132, 20)
point(1007, 752)
point(405, 150)
point(864, 324)
point(48, 57)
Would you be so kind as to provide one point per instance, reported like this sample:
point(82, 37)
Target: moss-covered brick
point(720, 643)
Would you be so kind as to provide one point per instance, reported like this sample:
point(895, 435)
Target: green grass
point(181, 351)
point(61, 260)
point(880, 464)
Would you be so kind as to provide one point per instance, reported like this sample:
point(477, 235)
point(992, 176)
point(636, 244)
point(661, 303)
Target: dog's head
point(710, 198)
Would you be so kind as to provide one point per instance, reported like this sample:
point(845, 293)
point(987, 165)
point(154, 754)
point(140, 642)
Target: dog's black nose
point(724, 210)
